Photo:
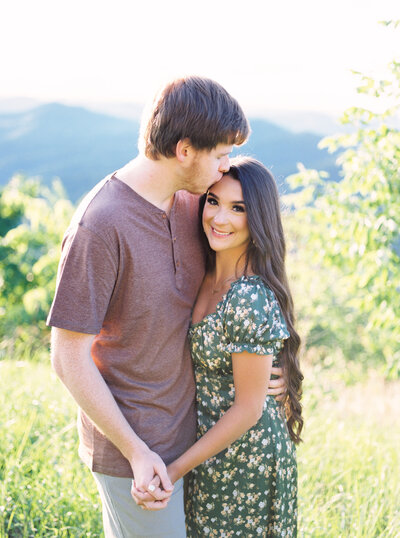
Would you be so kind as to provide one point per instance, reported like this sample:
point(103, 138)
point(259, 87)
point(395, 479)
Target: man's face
point(208, 167)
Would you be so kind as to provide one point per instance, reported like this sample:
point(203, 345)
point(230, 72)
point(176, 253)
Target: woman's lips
point(217, 233)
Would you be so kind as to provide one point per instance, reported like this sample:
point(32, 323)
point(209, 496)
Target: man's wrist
point(137, 449)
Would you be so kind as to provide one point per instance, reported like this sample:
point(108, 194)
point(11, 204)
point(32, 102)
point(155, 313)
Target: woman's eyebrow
point(209, 193)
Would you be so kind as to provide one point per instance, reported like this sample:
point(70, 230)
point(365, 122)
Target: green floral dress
point(249, 489)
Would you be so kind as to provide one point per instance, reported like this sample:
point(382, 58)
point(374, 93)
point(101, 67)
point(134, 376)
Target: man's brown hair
point(196, 108)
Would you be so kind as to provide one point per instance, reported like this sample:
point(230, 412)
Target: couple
point(132, 266)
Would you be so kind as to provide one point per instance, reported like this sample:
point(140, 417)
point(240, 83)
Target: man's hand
point(151, 487)
point(277, 387)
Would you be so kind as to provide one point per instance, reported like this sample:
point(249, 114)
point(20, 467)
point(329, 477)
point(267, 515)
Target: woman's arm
point(251, 374)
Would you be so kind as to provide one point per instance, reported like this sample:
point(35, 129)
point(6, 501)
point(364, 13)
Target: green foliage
point(33, 218)
point(349, 233)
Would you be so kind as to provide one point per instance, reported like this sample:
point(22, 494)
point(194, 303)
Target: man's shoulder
point(101, 206)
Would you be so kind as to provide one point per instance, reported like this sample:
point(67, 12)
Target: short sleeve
point(86, 278)
point(253, 320)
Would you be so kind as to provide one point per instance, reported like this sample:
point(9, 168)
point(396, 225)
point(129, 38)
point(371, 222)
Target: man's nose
point(225, 165)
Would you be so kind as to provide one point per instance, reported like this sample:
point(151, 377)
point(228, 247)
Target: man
point(129, 273)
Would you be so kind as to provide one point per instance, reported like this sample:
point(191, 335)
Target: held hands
point(153, 498)
point(151, 488)
point(277, 387)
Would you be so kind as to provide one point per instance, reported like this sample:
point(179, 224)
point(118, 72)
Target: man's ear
point(184, 150)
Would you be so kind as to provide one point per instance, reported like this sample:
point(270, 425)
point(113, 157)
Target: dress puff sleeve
point(253, 320)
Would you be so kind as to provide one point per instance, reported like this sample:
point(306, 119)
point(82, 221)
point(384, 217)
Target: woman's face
point(225, 218)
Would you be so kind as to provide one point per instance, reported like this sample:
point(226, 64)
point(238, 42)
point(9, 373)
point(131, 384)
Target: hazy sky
point(285, 54)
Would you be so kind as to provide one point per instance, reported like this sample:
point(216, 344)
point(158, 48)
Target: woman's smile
point(219, 233)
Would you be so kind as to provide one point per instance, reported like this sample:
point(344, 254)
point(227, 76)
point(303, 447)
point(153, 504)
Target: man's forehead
point(224, 149)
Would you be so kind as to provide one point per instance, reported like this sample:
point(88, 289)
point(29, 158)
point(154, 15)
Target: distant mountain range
point(297, 121)
point(81, 146)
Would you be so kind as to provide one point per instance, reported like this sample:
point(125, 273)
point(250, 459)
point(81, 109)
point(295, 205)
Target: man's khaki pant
point(123, 518)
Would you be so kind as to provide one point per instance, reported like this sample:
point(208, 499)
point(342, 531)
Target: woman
point(244, 479)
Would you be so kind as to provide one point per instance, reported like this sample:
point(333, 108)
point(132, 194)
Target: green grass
point(349, 464)
point(44, 489)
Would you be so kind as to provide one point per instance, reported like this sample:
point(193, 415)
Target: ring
point(151, 487)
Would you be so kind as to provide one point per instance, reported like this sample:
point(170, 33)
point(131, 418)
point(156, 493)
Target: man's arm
point(72, 361)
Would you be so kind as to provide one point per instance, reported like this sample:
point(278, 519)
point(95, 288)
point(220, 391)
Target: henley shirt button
point(174, 239)
point(164, 216)
point(177, 264)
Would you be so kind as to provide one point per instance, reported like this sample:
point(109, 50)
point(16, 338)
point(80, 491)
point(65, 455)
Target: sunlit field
point(44, 489)
point(349, 464)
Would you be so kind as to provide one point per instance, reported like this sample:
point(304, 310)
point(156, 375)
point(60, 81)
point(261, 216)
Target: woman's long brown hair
point(265, 256)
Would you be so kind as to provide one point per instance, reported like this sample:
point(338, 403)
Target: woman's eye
point(238, 208)
point(211, 201)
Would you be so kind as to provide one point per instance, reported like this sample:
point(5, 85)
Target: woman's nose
point(220, 216)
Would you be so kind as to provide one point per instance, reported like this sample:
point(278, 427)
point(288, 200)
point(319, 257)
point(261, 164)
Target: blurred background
point(320, 83)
